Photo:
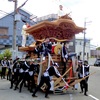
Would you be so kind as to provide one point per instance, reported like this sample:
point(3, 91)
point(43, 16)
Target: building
point(7, 29)
point(79, 48)
point(95, 53)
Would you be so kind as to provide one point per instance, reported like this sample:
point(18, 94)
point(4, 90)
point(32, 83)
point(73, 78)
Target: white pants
point(52, 86)
point(24, 40)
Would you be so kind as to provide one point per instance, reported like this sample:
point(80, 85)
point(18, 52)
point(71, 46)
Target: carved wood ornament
point(59, 29)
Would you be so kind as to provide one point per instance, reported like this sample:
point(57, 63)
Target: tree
point(98, 48)
point(1, 56)
point(7, 53)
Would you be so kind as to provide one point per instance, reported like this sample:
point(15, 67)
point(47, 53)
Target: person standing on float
point(24, 34)
point(61, 11)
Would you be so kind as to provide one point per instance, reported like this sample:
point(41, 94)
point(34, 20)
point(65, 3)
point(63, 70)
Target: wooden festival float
point(60, 30)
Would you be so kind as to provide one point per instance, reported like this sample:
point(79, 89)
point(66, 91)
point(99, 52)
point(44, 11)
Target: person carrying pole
point(46, 78)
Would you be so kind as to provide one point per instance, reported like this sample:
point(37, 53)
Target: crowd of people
point(22, 72)
point(6, 65)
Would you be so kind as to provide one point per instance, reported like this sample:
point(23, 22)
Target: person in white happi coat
point(61, 11)
point(24, 34)
point(63, 14)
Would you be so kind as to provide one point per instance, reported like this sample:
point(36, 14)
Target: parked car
point(97, 62)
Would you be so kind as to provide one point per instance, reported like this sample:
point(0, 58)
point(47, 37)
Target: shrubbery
point(7, 53)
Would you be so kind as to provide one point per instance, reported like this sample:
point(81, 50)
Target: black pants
point(21, 75)
point(9, 74)
point(84, 85)
point(3, 73)
point(24, 79)
point(14, 79)
point(64, 66)
point(44, 80)
point(31, 82)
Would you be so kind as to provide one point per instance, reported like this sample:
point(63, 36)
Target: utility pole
point(14, 30)
point(15, 19)
point(84, 42)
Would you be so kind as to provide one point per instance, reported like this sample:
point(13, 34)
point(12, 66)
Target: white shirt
point(61, 13)
point(4, 63)
point(23, 30)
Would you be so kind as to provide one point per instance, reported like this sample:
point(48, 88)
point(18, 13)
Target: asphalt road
point(93, 93)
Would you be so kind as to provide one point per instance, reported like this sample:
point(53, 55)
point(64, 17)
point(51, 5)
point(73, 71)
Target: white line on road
point(71, 97)
point(93, 97)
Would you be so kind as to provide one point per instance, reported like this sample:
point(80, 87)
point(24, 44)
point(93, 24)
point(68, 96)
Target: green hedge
point(6, 53)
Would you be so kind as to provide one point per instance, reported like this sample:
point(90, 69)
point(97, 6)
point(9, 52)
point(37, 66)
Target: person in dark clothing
point(27, 55)
point(82, 73)
point(4, 67)
point(46, 47)
point(64, 55)
point(23, 75)
point(34, 68)
point(16, 59)
point(9, 66)
point(87, 71)
point(15, 73)
point(37, 49)
point(46, 78)
point(21, 72)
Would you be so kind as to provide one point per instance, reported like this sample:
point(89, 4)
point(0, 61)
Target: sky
point(81, 11)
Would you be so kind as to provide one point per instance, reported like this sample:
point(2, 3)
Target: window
point(3, 30)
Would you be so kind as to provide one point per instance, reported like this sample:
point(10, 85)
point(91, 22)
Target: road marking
point(71, 97)
point(93, 97)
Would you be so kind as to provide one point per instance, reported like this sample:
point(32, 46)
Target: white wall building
point(79, 48)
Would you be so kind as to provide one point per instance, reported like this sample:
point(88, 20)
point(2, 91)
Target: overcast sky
point(81, 10)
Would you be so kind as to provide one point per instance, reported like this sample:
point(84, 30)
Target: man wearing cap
point(46, 78)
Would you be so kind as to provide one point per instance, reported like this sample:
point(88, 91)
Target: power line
point(12, 15)
point(22, 4)
point(4, 12)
